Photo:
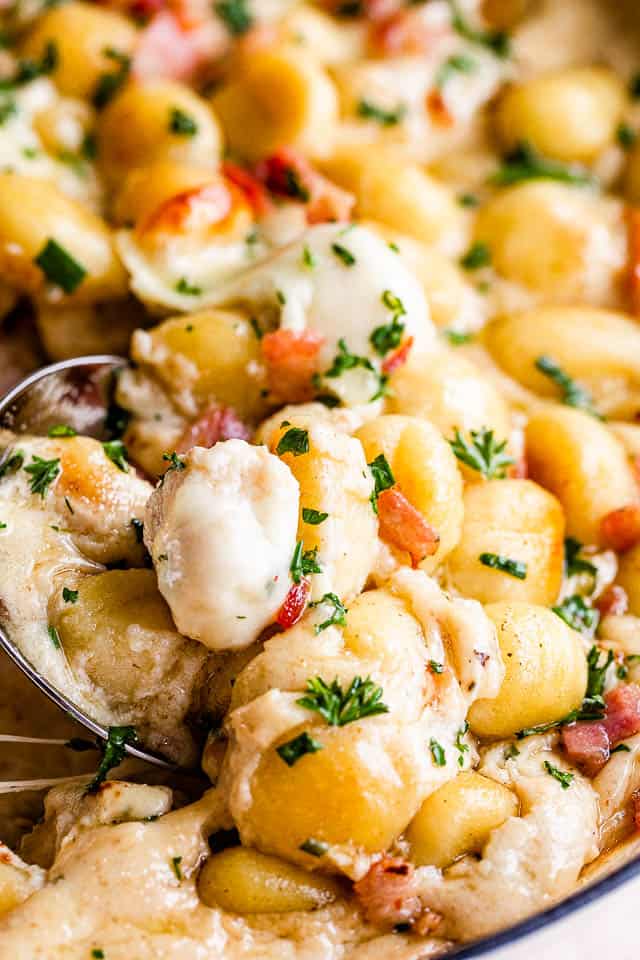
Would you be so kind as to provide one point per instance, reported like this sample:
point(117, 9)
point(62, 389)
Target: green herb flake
point(43, 473)
point(59, 267)
point(573, 395)
point(113, 752)
point(460, 745)
point(188, 289)
point(181, 123)
point(386, 118)
point(524, 163)
point(309, 259)
point(495, 40)
point(315, 848)
point(511, 752)
point(110, 83)
point(281, 298)
point(482, 453)
point(29, 69)
point(621, 748)
point(574, 564)
point(564, 779)
point(437, 752)
point(304, 562)
point(62, 430)
point(177, 869)
point(387, 336)
point(3, 525)
point(255, 326)
point(576, 614)
point(477, 256)
point(383, 478)
point(70, 596)
point(295, 441)
point(469, 200)
point(436, 667)
point(455, 64)
point(175, 463)
point(8, 109)
point(293, 750)
point(54, 637)
point(626, 136)
point(116, 451)
point(338, 614)
point(515, 568)
point(313, 517)
point(362, 698)
point(97, 954)
point(236, 15)
point(345, 360)
point(12, 463)
point(343, 254)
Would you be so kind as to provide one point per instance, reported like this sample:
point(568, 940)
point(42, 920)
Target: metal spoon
point(75, 392)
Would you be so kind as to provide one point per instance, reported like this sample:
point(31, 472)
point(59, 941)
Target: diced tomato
point(438, 109)
point(215, 424)
point(633, 274)
point(587, 744)
point(254, 191)
point(403, 526)
point(288, 174)
point(404, 32)
point(388, 893)
point(291, 358)
point(295, 603)
point(171, 47)
point(614, 601)
point(399, 357)
point(620, 529)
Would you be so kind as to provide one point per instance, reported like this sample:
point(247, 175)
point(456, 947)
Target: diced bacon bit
point(438, 109)
point(404, 32)
point(387, 893)
point(398, 358)
point(145, 9)
point(613, 602)
point(403, 526)
point(633, 275)
point(288, 174)
point(291, 358)
point(215, 424)
point(635, 807)
point(172, 47)
point(295, 603)
point(202, 206)
point(589, 744)
point(253, 190)
point(620, 529)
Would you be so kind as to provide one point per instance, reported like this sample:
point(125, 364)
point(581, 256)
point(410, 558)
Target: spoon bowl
point(75, 392)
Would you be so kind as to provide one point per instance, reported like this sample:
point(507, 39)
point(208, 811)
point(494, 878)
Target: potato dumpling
point(546, 671)
point(563, 242)
point(579, 459)
point(398, 194)
point(425, 469)
point(568, 114)
point(450, 391)
point(212, 352)
point(17, 882)
point(283, 98)
point(516, 520)
point(157, 120)
point(34, 213)
point(458, 819)
point(241, 880)
point(333, 480)
point(355, 791)
point(82, 33)
point(601, 348)
point(145, 189)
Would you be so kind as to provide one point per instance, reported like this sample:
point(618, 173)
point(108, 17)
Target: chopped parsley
point(345, 360)
point(182, 123)
point(255, 326)
point(116, 451)
point(3, 525)
point(295, 441)
point(437, 752)
point(294, 187)
point(43, 473)
point(576, 614)
point(515, 568)
point(309, 259)
point(383, 478)
point(175, 463)
point(97, 954)
point(59, 267)
point(345, 255)
point(564, 779)
point(62, 430)
point(281, 298)
point(626, 136)
point(460, 745)
point(113, 752)
point(478, 255)
point(28, 69)
point(313, 517)
point(69, 596)
point(468, 200)
point(524, 163)
point(482, 453)
point(175, 866)
point(362, 698)
point(293, 750)
point(495, 40)
point(338, 614)
point(315, 848)
point(235, 14)
point(54, 637)
point(511, 752)
point(574, 564)
point(389, 335)
point(436, 667)
point(573, 395)
point(110, 83)
point(597, 674)
point(13, 463)
point(386, 118)
point(456, 63)
point(304, 562)
point(8, 109)
point(621, 748)
point(188, 289)
point(456, 338)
